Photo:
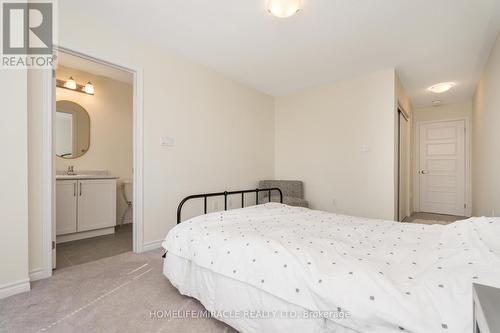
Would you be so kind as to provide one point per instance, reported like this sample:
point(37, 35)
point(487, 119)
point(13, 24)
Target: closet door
point(66, 206)
point(96, 204)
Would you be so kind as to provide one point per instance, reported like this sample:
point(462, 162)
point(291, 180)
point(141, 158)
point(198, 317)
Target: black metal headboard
point(226, 194)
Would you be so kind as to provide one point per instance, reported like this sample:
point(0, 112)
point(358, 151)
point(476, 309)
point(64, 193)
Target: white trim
point(48, 174)
point(84, 234)
point(38, 274)
point(138, 173)
point(48, 156)
point(14, 288)
point(468, 166)
point(149, 246)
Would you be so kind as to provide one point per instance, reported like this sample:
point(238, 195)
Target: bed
point(277, 268)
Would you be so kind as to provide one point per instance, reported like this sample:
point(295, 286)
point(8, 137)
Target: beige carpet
point(116, 294)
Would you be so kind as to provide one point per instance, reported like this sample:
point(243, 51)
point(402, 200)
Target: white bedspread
point(389, 276)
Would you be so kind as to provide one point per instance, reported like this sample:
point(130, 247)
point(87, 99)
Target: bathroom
point(93, 143)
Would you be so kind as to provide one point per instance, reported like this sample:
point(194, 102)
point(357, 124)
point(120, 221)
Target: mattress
point(387, 276)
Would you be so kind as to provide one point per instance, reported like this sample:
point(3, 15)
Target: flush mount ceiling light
point(284, 8)
point(442, 87)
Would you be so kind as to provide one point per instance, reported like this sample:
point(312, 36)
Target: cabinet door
point(66, 201)
point(96, 204)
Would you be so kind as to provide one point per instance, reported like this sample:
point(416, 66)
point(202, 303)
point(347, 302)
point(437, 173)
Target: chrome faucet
point(70, 170)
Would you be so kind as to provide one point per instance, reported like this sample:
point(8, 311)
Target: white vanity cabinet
point(85, 208)
point(66, 206)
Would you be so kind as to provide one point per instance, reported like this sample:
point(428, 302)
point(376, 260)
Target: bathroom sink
point(72, 176)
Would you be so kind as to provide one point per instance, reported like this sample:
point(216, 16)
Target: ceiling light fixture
point(442, 87)
point(284, 8)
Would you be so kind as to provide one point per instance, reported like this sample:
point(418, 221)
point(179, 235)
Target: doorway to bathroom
point(94, 129)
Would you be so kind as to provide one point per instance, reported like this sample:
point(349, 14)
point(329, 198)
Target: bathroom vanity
point(85, 206)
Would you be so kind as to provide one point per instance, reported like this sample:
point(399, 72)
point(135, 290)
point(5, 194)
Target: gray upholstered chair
point(293, 192)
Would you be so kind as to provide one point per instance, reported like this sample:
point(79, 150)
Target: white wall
point(223, 130)
point(340, 140)
point(486, 138)
point(14, 183)
point(444, 112)
point(111, 127)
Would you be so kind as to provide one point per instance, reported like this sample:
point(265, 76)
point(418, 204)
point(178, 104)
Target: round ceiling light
point(284, 8)
point(442, 87)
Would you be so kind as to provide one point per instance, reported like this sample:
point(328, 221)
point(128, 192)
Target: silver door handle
point(424, 172)
point(80, 189)
point(74, 189)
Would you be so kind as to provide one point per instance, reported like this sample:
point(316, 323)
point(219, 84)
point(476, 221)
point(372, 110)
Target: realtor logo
point(27, 34)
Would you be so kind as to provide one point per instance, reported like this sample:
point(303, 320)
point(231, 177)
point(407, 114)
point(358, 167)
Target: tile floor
point(95, 248)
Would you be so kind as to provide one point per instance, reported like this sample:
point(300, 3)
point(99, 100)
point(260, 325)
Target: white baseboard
point(152, 245)
point(84, 234)
point(14, 288)
point(39, 274)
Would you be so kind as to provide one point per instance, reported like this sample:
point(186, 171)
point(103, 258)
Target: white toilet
point(128, 195)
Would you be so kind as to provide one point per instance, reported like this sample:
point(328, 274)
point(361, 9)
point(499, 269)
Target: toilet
point(128, 194)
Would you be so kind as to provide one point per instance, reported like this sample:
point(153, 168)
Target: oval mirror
point(72, 130)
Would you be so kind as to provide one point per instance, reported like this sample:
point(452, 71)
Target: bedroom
point(313, 97)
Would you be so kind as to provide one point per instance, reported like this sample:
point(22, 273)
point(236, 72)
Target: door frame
point(401, 111)
point(48, 168)
point(416, 165)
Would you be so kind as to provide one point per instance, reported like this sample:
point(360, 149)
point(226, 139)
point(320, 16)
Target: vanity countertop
point(76, 177)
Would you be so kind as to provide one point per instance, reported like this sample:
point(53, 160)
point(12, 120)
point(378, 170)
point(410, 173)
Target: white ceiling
point(427, 41)
point(75, 62)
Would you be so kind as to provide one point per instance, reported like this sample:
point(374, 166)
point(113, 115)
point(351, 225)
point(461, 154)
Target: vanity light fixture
point(284, 8)
point(442, 87)
point(89, 88)
point(71, 84)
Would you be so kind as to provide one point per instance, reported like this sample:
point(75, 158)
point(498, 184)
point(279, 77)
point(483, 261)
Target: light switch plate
point(166, 141)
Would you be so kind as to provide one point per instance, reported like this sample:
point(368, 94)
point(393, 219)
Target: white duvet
point(389, 276)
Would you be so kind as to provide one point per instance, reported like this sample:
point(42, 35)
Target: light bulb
point(284, 8)
point(89, 88)
point(442, 87)
point(70, 84)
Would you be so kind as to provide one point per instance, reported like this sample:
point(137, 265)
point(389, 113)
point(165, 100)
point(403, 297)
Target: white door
point(442, 167)
point(66, 206)
point(96, 204)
